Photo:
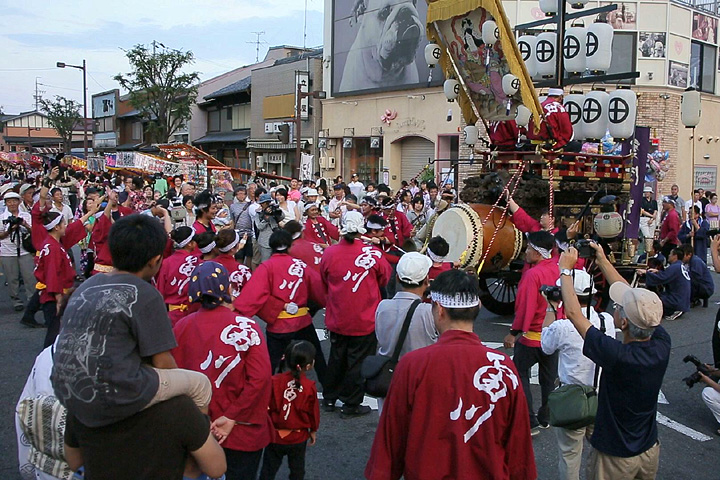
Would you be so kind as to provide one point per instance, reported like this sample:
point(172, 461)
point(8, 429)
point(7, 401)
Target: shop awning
point(269, 145)
point(224, 137)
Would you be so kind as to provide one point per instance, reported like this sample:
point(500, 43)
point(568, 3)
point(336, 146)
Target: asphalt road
point(689, 447)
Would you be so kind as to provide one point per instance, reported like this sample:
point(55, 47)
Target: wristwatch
point(566, 271)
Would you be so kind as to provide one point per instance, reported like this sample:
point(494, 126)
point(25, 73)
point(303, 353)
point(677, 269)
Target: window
point(229, 113)
point(702, 67)
point(623, 54)
point(214, 121)
point(137, 131)
point(241, 117)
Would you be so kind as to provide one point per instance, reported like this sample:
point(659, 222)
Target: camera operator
point(625, 435)
point(559, 335)
point(266, 222)
point(711, 393)
point(15, 259)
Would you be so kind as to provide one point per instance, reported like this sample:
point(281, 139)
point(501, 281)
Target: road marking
point(679, 427)
point(321, 334)
point(502, 324)
point(662, 399)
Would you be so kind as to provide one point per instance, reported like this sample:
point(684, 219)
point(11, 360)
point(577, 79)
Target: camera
point(552, 293)
point(584, 248)
point(13, 221)
point(275, 212)
point(695, 377)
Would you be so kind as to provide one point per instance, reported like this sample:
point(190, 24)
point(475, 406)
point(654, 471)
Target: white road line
point(679, 427)
point(503, 324)
point(662, 399)
point(321, 334)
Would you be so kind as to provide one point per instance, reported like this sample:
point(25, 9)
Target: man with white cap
point(412, 275)
point(556, 128)
point(648, 212)
point(559, 335)
point(625, 438)
point(317, 228)
point(455, 409)
point(16, 260)
point(352, 274)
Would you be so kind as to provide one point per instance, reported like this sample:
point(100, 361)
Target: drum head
point(459, 226)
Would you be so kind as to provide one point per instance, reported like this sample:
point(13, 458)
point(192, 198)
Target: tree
point(159, 89)
point(63, 115)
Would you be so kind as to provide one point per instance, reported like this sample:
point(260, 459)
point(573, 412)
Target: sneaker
point(19, 308)
point(674, 316)
point(543, 425)
point(535, 431)
point(696, 303)
point(328, 405)
point(360, 410)
point(31, 324)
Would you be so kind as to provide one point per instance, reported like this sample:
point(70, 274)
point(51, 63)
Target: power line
point(94, 80)
point(26, 69)
point(61, 88)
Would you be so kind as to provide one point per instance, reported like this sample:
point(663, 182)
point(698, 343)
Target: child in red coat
point(295, 412)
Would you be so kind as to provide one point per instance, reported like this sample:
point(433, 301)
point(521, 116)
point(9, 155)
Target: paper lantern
point(545, 54)
point(432, 54)
point(608, 224)
point(510, 84)
point(573, 104)
point(578, 3)
point(472, 135)
point(549, 7)
point(622, 111)
point(574, 49)
point(490, 33)
point(598, 47)
point(526, 45)
point(522, 116)
point(451, 87)
point(690, 108)
point(595, 119)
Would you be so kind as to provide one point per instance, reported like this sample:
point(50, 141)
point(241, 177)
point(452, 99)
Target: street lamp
point(84, 70)
point(321, 95)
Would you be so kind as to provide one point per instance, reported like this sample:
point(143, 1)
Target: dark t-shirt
point(650, 206)
point(152, 444)
point(631, 378)
point(112, 325)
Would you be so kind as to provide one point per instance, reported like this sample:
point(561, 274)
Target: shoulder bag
point(377, 370)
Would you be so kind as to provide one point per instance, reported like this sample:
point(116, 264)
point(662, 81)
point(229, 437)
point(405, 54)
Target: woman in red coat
point(229, 242)
point(174, 275)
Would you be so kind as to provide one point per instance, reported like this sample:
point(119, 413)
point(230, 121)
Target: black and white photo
point(653, 44)
point(678, 74)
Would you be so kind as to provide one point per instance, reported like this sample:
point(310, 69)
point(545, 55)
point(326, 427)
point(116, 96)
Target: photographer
point(266, 222)
point(559, 335)
point(711, 393)
point(15, 259)
point(625, 435)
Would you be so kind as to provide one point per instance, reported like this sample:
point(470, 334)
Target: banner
point(640, 147)
point(306, 163)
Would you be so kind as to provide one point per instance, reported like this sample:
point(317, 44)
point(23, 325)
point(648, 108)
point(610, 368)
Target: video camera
point(552, 293)
point(178, 213)
point(695, 377)
point(275, 212)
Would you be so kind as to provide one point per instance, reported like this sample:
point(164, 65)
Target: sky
point(36, 34)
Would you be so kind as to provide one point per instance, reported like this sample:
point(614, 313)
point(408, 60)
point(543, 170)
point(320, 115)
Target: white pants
point(647, 230)
point(711, 397)
point(570, 444)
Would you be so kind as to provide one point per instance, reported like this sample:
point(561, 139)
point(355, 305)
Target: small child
point(437, 250)
point(295, 412)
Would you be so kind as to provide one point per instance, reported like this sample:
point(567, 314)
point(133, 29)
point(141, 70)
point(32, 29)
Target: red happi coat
point(556, 127)
point(239, 273)
point(352, 274)
point(99, 239)
point(397, 230)
point(504, 133)
point(279, 280)
point(172, 281)
point(530, 304)
point(294, 412)
point(74, 232)
point(435, 271)
point(200, 228)
point(456, 410)
point(231, 351)
point(54, 270)
point(314, 231)
point(309, 252)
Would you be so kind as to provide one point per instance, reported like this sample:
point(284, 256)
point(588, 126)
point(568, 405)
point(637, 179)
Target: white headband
point(187, 240)
point(297, 235)
point(433, 257)
point(459, 300)
point(208, 248)
point(544, 252)
point(232, 244)
point(54, 223)
point(282, 248)
point(374, 226)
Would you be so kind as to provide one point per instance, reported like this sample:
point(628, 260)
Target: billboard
point(103, 105)
point(379, 45)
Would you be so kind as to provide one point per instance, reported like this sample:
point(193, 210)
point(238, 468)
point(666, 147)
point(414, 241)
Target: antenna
point(257, 43)
point(305, 28)
point(38, 94)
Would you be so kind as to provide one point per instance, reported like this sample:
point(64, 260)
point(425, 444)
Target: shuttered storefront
point(415, 154)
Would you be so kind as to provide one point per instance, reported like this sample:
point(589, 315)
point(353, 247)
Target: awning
point(47, 150)
point(270, 145)
point(224, 137)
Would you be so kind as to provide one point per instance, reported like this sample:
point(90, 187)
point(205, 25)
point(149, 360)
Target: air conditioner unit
point(268, 128)
point(322, 142)
point(327, 163)
point(259, 161)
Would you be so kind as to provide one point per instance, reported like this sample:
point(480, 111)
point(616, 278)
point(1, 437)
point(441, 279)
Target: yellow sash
point(535, 336)
point(182, 307)
point(300, 313)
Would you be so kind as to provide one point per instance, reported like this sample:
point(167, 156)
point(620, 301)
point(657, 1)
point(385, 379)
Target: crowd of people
point(164, 323)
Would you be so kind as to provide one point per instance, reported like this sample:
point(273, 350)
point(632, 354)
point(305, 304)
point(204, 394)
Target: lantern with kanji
point(545, 54)
point(622, 110)
point(595, 119)
point(598, 47)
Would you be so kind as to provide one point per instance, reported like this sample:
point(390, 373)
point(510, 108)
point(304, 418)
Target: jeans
point(273, 457)
point(278, 342)
point(525, 358)
point(344, 381)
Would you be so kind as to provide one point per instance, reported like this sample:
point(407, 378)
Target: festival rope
point(551, 193)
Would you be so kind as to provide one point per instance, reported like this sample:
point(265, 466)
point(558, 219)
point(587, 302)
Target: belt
point(102, 268)
point(535, 336)
point(182, 307)
point(40, 286)
point(284, 432)
point(300, 313)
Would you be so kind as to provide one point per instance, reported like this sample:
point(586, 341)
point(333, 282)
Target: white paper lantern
point(451, 87)
point(574, 104)
point(545, 54)
point(510, 84)
point(574, 49)
point(578, 3)
point(526, 45)
point(595, 119)
point(622, 112)
point(598, 47)
point(690, 108)
point(471, 135)
point(490, 32)
point(549, 7)
point(432, 54)
point(522, 116)
point(608, 224)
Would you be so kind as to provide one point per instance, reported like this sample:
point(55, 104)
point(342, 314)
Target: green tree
point(159, 88)
point(63, 115)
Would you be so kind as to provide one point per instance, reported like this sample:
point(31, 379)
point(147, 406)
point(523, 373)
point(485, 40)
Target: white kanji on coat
point(366, 261)
point(296, 269)
point(240, 335)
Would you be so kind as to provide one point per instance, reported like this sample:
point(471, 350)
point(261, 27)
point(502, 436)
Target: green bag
point(573, 406)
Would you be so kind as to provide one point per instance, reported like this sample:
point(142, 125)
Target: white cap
point(647, 190)
point(5, 188)
point(354, 223)
point(10, 195)
point(581, 282)
point(26, 187)
point(413, 267)
point(311, 192)
point(555, 92)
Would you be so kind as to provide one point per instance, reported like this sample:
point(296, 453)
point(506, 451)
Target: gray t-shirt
point(389, 318)
point(112, 325)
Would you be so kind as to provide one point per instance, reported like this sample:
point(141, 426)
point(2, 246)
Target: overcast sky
point(35, 34)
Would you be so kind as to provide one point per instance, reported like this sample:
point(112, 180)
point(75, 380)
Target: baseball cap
point(642, 307)
point(10, 195)
point(647, 190)
point(338, 186)
point(265, 197)
point(240, 188)
point(667, 199)
point(26, 187)
point(581, 282)
point(413, 267)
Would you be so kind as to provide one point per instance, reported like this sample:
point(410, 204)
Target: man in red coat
point(317, 228)
point(504, 135)
point(670, 227)
point(101, 231)
point(309, 252)
point(556, 129)
point(455, 409)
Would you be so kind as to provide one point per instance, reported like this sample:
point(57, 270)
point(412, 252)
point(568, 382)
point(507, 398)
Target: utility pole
point(38, 94)
point(257, 43)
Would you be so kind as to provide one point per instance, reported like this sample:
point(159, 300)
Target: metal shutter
point(415, 154)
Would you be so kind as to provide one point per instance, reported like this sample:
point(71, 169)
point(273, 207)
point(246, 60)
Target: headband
point(433, 257)
point(54, 223)
point(297, 235)
point(542, 251)
point(459, 300)
point(189, 239)
point(374, 226)
point(282, 248)
point(232, 244)
point(208, 248)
